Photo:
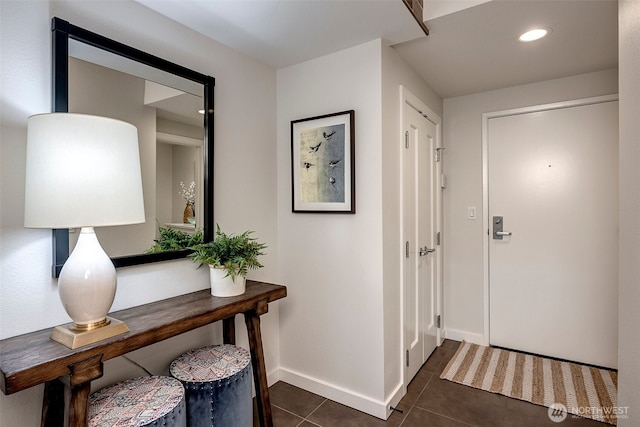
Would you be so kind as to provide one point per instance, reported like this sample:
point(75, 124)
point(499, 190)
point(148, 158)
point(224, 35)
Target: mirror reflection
point(169, 117)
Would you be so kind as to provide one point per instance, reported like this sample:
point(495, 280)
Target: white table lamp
point(83, 172)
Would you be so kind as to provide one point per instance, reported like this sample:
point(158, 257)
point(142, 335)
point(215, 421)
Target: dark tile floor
point(429, 402)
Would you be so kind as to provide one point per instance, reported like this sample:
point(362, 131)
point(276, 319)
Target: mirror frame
point(62, 31)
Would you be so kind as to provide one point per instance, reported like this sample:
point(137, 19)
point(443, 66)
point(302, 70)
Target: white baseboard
point(273, 377)
point(394, 399)
point(458, 335)
point(376, 408)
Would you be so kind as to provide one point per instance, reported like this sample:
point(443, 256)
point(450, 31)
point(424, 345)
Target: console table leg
point(229, 330)
point(56, 394)
point(78, 406)
point(53, 404)
point(66, 400)
point(252, 319)
point(76, 390)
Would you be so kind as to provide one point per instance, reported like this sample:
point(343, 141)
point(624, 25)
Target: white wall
point(164, 183)
point(245, 177)
point(331, 321)
point(629, 211)
point(463, 263)
point(176, 163)
point(185, 161)
point(340, 325)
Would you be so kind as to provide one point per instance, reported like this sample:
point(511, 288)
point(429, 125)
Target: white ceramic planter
point(222, 286)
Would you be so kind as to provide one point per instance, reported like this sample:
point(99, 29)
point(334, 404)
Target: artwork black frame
point(323, 177)
point(62, 31)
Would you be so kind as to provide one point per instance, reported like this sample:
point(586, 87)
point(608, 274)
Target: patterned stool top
point(210, 363)
point(135, 402)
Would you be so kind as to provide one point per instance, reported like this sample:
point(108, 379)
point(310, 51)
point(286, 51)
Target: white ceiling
point(472, 45)
point(476, 49)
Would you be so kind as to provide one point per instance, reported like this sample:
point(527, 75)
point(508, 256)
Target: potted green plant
point(170, 239)
point(229, 257)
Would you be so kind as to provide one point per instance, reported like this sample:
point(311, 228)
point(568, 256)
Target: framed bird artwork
point(323, 164)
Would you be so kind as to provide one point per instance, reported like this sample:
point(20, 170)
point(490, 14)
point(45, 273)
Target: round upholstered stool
point(217, 382)
point(143, 401)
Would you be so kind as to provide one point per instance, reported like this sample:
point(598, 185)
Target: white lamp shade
point(82, 170)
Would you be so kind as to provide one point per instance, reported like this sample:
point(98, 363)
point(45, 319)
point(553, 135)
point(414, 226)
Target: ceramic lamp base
point(87, 283)
point(69, 336)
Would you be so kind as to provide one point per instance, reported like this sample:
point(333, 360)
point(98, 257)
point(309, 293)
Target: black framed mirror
point(62, 33)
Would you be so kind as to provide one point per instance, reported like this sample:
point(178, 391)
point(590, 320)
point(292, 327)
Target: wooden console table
point(31, 359)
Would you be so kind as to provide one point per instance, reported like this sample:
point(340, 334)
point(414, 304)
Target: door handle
point(498, 234)
point(425, 251)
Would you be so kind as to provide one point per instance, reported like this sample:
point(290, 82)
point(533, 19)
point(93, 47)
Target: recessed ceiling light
point(535, 34)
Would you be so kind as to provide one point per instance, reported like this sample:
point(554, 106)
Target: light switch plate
point(471, 212)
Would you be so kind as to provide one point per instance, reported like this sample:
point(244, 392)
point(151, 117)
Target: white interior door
point(552, 184)
point(419, 224)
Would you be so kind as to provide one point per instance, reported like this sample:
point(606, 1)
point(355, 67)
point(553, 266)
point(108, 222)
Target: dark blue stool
point(139, 402)
point(217, 382)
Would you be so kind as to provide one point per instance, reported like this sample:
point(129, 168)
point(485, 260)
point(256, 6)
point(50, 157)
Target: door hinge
point(407, 357)
point(406, 139)
point(406, 249)
point(443, 181)
point(438, 154)
point(438, 321)
point(438, 238)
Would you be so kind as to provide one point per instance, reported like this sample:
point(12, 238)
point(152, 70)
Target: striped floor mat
point(583, 390)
